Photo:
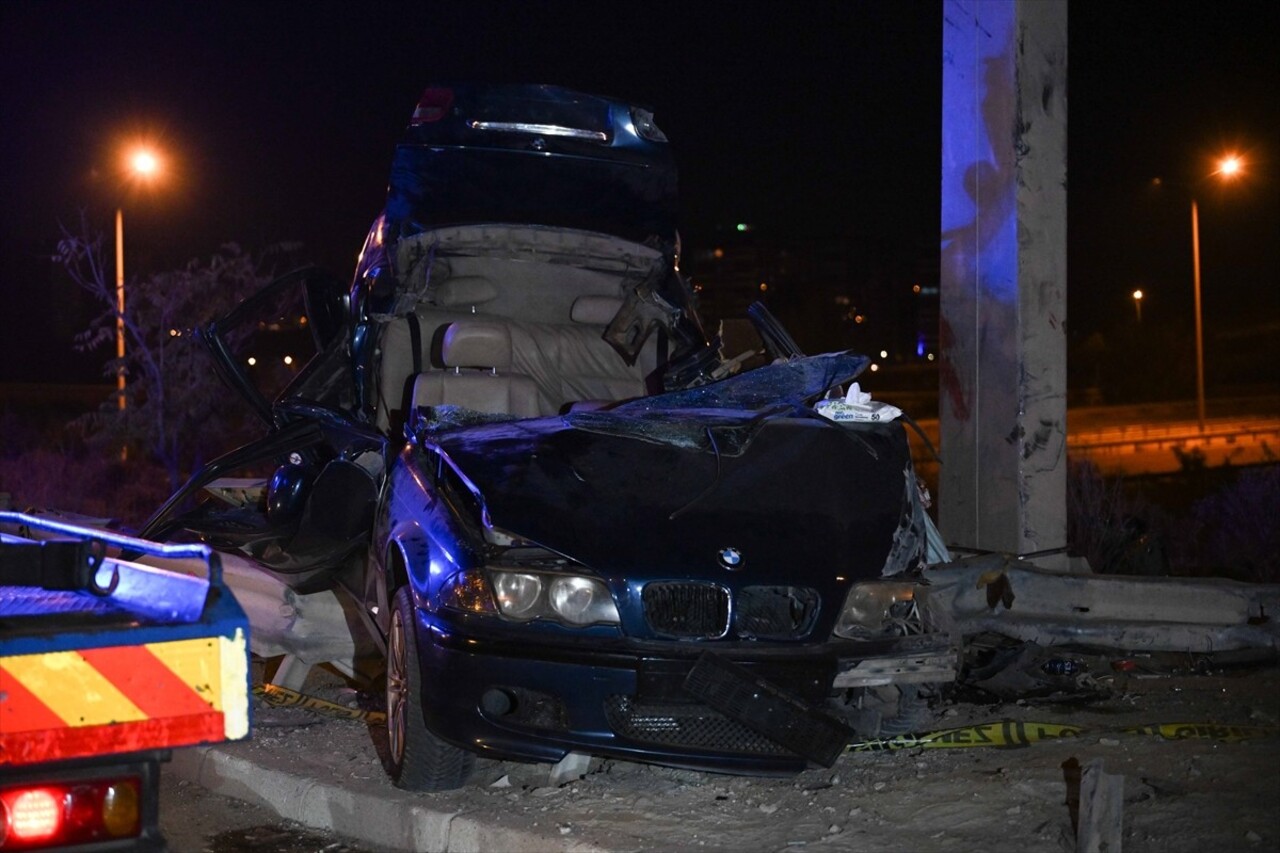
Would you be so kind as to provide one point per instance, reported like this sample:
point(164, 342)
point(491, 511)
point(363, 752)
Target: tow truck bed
point(106, 664)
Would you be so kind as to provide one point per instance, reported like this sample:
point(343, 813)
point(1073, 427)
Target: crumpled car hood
point(658, 488)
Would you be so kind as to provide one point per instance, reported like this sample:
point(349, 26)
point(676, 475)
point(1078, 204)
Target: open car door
point(272, 347)
point(300, 500)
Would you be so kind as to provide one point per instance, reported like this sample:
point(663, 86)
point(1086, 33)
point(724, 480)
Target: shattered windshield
point(720, 416)
point(723, 415)
point(797, 382)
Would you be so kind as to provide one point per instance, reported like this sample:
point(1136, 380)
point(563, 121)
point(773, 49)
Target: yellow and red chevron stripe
point(68, 704)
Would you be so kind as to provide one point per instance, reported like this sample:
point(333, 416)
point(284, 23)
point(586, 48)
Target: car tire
point(417, 760)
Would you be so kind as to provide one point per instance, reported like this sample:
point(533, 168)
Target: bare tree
point(176, 409)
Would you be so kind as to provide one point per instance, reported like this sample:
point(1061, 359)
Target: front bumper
point(517, 700)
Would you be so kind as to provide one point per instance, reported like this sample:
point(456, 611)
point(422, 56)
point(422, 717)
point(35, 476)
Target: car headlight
point(522, 596)
point(468, 590)
point(877, 609)
point(571, 599)
point(582, 601)
point(518, 594)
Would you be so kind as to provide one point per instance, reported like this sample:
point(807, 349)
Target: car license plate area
point(663, 680)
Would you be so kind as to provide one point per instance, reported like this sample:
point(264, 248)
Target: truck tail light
point(44, 816)
point(33, 815)
point(434, 105)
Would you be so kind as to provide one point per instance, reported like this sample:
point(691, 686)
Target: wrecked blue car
point(571, 521)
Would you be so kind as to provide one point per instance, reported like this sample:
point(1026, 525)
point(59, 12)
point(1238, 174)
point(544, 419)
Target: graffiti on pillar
point(948, 379)
point(979, 249)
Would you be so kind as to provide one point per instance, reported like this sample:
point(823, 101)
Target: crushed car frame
point(571, 524)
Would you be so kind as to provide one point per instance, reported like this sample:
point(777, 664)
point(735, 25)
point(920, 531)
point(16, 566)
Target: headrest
point(595, 310)
point(476, 344)
point(464, 290)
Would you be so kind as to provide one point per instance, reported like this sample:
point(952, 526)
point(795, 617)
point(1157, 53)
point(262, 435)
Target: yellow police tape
point(1012, 734)
point(283, 697)
point(1203, 731)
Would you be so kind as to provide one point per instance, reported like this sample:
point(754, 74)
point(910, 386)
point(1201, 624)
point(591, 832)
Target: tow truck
point(114, 651)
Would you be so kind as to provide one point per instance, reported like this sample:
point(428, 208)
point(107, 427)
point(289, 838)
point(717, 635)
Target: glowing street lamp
point(1137, 304)
point(144, 164)
point(1229, 167)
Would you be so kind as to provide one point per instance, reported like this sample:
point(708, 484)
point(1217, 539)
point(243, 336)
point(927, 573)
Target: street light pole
point(1229, 167)
point(1137, 305)
point(120, 305)
point(1195, 259)
point(142, 163)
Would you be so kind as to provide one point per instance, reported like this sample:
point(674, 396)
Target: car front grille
point(692, 726)
point(701, 610)
point(686, 609)
point(774, 612)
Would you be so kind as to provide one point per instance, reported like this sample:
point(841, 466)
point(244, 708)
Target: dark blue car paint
point(806, 501)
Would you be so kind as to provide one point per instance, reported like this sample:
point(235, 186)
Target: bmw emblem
point(732, 559)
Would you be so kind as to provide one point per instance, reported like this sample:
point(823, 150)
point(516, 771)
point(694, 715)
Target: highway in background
point(1157, 438)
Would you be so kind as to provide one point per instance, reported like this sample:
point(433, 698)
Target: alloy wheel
point(397, 687)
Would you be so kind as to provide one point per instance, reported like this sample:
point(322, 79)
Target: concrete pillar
point(1002, 486)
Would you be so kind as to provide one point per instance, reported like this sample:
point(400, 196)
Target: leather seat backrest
point(477, 358)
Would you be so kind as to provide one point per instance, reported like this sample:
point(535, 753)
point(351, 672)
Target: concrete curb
point(395, 821)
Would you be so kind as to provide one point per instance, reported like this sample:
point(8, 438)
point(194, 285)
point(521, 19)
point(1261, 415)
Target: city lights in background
point(252, 360)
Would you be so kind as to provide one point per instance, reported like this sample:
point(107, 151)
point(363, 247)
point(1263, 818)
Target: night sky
point(802, 117)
